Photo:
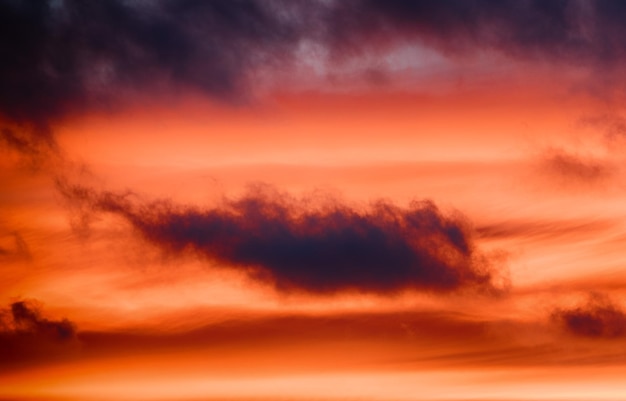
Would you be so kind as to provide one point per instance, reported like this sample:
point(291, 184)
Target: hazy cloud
point(574, 170)
point(544, 229)
point(597, 318)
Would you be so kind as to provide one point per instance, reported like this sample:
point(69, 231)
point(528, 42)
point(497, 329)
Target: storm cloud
point(298, 245)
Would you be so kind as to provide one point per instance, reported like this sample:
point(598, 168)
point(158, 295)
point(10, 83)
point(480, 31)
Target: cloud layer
point(64, 58)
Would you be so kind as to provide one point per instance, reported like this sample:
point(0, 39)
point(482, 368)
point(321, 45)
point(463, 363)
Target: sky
point(312, 200)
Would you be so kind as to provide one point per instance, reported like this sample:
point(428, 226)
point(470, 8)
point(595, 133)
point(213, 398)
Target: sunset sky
point(370, 200)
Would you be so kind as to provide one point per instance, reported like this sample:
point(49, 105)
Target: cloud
point(17, 249)
point(598, 318)
point(577, 168)
point(547, 30)
point(557, 230)
point(413, 338)
point(556, 168)
point(27, 319)
point(65, 58)
point(28, 337)
point(304, 245)
point(61, 55)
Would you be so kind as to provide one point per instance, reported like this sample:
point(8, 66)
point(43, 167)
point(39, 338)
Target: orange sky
point(116, 284)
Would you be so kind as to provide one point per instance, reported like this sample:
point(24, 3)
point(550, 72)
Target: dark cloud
point(303, 246)
point(598, 318)
point(27, 319)
point(60, 58)
point(588, 33)
point(407, 339)
point(28, 337)
point(465, 26)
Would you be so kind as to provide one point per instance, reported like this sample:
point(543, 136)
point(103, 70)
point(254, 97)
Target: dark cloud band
point(64, 57)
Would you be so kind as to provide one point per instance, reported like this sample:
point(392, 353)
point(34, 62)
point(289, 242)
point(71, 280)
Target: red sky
point(312, 201)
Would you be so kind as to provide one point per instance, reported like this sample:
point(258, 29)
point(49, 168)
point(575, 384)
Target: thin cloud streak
point(556, 230)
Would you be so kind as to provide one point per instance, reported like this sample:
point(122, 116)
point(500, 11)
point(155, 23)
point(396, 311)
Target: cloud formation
point(572, 168)
point(557, 230)
point(26, 336)
point(551, 30)
point(61, 55)
point(65, 58)
point(598, 318)
point(298, 245)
